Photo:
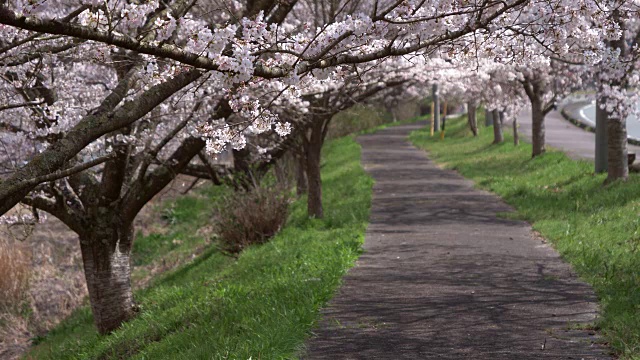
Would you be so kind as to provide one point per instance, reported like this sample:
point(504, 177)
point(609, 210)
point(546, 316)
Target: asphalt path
point(444, 276)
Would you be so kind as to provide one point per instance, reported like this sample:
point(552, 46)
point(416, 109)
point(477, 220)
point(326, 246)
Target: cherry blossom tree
point(545, 82)
point(102, 103)
point(126, 154)
point(365, 85)
point(185, 48)
point(617, 65)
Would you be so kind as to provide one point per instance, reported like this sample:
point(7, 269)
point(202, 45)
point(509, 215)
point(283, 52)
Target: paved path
point(443, 277)
point(561, 134)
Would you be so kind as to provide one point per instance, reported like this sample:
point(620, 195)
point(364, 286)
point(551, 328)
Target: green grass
point(596, 228)
point(260, 306)
point(181, 215)
point(392, 124)
point(364, 119)
point(357, 118)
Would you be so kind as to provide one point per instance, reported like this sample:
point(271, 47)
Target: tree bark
point(472, 119)
point(537, 127)
point(617, 160)
point(618, 166)
point(242, 174)
point(312, 153)
point(601, 137)
point(106, 254)
point(498, 138)
point(436, 107)
point(301, 176)
point(488, 118)
point(516, 137)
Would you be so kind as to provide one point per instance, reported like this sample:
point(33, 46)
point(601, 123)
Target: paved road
point(443, 277)
point(561, 134)
point(587, 114)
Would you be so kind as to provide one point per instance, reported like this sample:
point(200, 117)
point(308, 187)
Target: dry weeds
point(251, 217)
point(15, 272)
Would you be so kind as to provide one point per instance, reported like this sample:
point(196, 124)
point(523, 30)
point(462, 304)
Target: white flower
point(283, 129)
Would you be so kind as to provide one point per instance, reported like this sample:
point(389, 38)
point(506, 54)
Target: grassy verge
point(357, 118)
point(261, 306)
point(174, 241)
point(595, 228)
point(392, 124)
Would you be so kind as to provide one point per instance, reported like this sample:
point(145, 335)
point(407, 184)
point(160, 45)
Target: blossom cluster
point(263, 74)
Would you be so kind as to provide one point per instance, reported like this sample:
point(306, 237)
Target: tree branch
point(70, 171)
point(96, 124)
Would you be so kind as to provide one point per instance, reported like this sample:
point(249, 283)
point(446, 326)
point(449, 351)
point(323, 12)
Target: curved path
point(561, 134)
point(444, 277)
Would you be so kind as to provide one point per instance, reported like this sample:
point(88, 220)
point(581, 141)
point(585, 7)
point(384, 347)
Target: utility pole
point(444, 120)
point(432, 116)
point(436, 108)
point(602, 152)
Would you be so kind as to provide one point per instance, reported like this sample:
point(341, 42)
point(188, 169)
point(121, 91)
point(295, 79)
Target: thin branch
point(26, 104)
point(68, 172)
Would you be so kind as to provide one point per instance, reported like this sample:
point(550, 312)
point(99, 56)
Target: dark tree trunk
point(488, 118)
point(498, 138)
point(312, 153)
point(601, 153)
point(537, 127)
point(301, 175)
point(436, 107)
point(617, 161)
point(472, 118)
point(242, 175)
point(106, 254)
point(516, 137)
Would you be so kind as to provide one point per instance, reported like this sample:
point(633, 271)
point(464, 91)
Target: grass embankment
point(595, 227)
point(260, 306)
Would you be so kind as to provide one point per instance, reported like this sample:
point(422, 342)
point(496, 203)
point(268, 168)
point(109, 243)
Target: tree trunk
point(601, 154)
point(617, 160)
point(618, 166)
point(516, 137)
point(498, 138)
point(106, 254)
point(436, 107)
point(472, 119)
point(313, 151)
point(301, 176)
point(488, 118)
point(537, 127)
point(242, 175)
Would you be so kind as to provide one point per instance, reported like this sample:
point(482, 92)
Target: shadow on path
point(443, 277)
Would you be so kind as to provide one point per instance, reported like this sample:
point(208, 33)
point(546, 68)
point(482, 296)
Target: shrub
point(251, 216)
point(15, 272)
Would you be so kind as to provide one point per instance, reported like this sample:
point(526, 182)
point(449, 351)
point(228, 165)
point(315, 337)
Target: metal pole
point(436, 108)
point(602, 152)
point(444, 120)
point(431, 122)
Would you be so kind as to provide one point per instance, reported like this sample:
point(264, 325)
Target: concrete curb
point(577, 121)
